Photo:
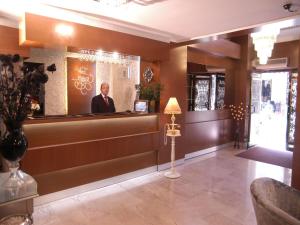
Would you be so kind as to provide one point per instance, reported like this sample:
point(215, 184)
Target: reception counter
point(66, 152)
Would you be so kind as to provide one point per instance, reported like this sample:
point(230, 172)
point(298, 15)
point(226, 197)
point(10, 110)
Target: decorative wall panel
point(81, 85)
point(56, 87)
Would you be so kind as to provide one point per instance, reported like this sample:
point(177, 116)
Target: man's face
point(104, 89)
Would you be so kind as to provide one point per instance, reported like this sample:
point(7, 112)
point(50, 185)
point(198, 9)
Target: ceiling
point(289, 34)
point(164, 20)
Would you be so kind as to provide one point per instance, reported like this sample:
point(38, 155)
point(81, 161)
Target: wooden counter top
point(66, 118)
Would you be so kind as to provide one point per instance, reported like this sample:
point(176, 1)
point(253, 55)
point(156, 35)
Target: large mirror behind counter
point(206, 87)
point(78, 78)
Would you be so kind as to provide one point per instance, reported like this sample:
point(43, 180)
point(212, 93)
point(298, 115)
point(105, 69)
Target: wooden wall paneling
point(230, 85)
point(9, 42)
point(203, 135)
point(195, 125)
point(86, 129)
point(92, 38)
point(55, 158)
point(210, 128)
point(206, 134)
point(228, 131)
point(204, 116)
point(73, 177)
point(69, 153)
point(155, 67)
point(296, 153)
point(173, 77)
point(81, 78)
point(242, 81)
point(287, 49)
point(61, 145)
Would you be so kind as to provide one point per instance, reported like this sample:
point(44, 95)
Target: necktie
point(106, 100)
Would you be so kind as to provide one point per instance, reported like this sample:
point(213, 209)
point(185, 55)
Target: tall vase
point(237, 135)
point(13, 146)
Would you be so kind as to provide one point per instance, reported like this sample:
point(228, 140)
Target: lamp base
point(172, 174)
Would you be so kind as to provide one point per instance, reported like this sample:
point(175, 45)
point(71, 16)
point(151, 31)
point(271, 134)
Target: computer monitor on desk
point(141, 106)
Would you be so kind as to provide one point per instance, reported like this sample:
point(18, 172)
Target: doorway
point(273, 102)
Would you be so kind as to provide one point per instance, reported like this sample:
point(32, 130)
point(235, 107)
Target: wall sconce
point(172, 130)
point(64, 30)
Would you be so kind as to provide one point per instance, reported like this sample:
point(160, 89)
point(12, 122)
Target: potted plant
point(238, 114)
point(151, 92)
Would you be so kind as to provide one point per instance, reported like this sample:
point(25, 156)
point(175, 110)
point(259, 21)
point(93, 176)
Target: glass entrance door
point(269, 110)
point(256, 89)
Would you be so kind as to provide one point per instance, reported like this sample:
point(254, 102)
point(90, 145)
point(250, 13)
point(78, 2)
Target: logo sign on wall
point(84, 80)
point(81, 78)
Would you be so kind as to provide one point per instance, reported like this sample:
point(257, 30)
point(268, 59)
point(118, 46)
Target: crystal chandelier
point(112, 3)
point(264, 42)
point(105, 57)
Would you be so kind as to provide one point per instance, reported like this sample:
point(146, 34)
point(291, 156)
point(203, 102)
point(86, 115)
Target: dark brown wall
point(287, 49)
point(242, 80)
point(155, 66)
point(173, 77)
point(92, 38)
point(207, 129)
point(78, 102)
point(9, 42)
point(199, 130)
point(210, 128)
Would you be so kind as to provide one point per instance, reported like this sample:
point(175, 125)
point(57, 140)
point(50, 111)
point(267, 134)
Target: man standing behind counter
point(102, 103)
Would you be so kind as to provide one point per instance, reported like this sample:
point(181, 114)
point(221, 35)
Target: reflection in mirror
point(38, 104)
point(206, 87)
point(69, 91)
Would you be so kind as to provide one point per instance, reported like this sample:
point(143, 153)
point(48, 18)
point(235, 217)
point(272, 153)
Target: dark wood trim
point(82, 117)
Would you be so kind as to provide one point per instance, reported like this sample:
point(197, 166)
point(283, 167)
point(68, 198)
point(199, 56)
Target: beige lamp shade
point(172, 107)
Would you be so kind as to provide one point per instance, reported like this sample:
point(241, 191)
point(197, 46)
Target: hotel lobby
point(148, 112)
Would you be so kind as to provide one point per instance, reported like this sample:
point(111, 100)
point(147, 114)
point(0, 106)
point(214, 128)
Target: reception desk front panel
point(68, 152)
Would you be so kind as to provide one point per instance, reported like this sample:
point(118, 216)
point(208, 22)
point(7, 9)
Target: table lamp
point(172, 130)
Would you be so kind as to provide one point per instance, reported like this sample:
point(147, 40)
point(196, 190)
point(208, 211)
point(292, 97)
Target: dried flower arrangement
point(238, 114)
point(238, 111)
point(18, 87)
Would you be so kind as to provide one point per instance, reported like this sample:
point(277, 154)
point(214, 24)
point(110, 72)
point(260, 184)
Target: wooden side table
point(18, 200)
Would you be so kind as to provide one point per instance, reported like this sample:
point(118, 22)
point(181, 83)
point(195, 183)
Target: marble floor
point(213, 189)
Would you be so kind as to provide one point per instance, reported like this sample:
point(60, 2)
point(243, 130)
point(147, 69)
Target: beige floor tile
point(212, 190)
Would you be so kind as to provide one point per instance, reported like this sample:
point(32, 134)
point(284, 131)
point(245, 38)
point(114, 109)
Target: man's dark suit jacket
point(99, 105)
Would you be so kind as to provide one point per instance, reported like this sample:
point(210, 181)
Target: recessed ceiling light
point(64, 30)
